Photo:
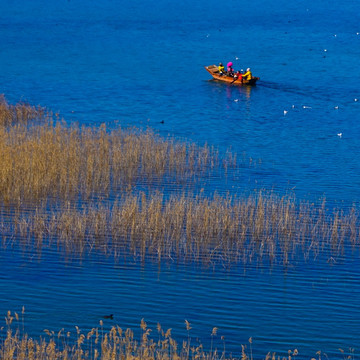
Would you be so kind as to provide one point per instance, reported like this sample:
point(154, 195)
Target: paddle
point(234, 80)
point(239, 76)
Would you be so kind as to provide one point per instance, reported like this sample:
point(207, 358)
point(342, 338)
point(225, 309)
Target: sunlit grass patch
point(21, 113)
point(56, 161)
point(91, 189)
point(114, 342)
point(263, 228)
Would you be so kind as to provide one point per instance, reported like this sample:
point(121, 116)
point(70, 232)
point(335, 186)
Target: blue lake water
point(140, 63)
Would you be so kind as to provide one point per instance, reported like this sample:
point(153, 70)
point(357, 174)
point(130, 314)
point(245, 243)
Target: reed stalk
point(118, 344)
point(54, 161)
point(78, 188)
point(218, 230)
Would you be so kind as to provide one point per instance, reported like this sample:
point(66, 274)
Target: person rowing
point(239, 74)
point(248, 75)
point(238, 77)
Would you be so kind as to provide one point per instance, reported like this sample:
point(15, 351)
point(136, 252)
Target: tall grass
point(77, 187)
point(221, 230)
point(57, 161)
point(20, 113)
point(119, 344)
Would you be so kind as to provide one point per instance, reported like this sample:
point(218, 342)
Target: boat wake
point(312, 91)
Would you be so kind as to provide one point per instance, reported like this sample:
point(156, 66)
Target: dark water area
point(311, 308)
point(141, 64)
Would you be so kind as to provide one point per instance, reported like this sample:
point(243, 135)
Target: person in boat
point(238, 76)
point(248, 75)
point(221, 69)
point(230, 70)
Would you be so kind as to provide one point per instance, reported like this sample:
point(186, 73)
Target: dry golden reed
point(119, 344)
point(221, 230)
point(77, 187)
point(20, 113)
point(55, 161)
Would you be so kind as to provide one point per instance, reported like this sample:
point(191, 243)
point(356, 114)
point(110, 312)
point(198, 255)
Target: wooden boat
point(214, 71)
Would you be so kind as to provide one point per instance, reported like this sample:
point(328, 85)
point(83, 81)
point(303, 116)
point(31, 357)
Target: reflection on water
point(238, 92)
point(257, 302)
point(216, 232)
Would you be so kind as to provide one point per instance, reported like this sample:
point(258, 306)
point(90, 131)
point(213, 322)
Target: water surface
point(140, 63)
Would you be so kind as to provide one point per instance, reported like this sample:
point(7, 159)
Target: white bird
point(293, 106)
point(357, 33)
point(336, 107)
point(236, 100)
point(285, 112)
point(306, 107)
point(339, 134)
point(325, 50)
point(236, 58)
point(355, 99)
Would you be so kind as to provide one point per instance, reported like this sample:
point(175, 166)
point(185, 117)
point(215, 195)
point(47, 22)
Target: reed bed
point(221, 230)
point(76, 187)
point(119, 344)
point(47, 160)
point(21, 113)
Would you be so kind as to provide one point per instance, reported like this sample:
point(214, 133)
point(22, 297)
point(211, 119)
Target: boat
point(214, 71)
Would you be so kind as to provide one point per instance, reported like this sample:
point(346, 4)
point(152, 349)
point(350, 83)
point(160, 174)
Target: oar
point(237, 78)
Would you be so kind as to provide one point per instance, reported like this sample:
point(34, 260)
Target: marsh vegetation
point(90, 189)
point(115, 343)
point(183, 228)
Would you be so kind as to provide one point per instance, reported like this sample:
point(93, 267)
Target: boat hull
point(214, 71)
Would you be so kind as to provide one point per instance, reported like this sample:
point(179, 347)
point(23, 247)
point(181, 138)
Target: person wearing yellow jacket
point(221, 69)
point(248, 75)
